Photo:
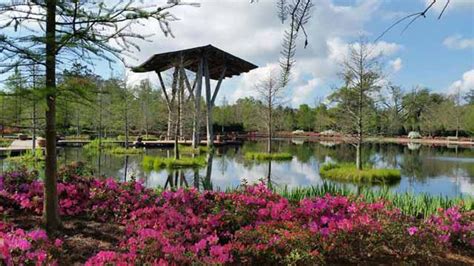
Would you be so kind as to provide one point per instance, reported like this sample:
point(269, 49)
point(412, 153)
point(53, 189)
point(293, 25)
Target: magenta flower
point(412, 230)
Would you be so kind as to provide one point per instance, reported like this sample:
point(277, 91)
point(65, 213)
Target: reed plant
point(190, 150)
point(264, 156)
point(158, 163)
point(349, 173)
point(124, 151)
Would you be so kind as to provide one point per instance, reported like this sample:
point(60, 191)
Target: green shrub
point(158, 163)
point(263, 156)
point(29, 159)
point(5, 142)
point(349, 173)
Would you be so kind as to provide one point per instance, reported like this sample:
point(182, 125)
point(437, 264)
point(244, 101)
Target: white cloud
point(302, 93)
point(396, 64)
point(245, 85)
point(453, 4)
point(458, 42)
point(254, 33)
point(464, 84)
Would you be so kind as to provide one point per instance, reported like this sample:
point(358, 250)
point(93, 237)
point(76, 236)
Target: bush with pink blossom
point(251, 225)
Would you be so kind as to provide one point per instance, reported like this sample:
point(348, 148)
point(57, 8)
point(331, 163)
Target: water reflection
point(436, 170)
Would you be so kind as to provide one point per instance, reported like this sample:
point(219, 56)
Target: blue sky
point(438, 54)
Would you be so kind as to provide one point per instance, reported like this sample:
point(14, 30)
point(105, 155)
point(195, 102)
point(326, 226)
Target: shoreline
point(312, 137)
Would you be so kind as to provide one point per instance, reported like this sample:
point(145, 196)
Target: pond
point(425, 169)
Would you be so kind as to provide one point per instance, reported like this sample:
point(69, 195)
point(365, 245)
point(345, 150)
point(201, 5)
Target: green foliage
point(5, 142)
point(124, 151)
point(158, 163)
point(29, 159)
point(349, 173)
point(408, 203)
point(263, 156)
point(110, 147)
point(190, 150)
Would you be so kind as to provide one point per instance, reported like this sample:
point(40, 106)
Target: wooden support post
point(197, 106)
point(175, 88)
point(168, 103)
point(210, 134)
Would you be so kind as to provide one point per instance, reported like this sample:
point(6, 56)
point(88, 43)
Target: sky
point(437, 54)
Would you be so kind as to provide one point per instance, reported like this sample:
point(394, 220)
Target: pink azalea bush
point(252, 225)
point(19, 247)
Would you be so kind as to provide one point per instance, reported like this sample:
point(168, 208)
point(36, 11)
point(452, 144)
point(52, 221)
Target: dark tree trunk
point(51, 212)
point(270, 125)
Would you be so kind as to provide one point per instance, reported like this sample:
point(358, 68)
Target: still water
point(425, 169)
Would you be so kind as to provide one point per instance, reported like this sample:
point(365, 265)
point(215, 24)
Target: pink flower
point(412, 230)
point(58, 243)
point(38, 235)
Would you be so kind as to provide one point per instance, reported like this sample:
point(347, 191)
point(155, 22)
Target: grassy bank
point(264, 156)
point(158, 163)
point(408, 203)
point(349, 173)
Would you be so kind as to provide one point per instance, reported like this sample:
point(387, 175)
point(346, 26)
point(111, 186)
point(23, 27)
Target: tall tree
point(53, 32)
point(270, 92)
point(361, 74)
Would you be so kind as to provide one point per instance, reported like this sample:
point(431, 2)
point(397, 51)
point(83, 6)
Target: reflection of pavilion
point(206, 61)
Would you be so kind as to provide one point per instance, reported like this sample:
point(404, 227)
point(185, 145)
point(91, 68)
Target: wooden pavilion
point(205, 61)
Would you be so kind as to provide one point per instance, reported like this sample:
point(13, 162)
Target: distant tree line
point(392, 113)
point(88, 105)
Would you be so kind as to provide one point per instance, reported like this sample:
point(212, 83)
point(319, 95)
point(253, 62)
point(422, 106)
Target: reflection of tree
point(223, 164)
point(412, 165)
point(269, 175)
point(207, 183)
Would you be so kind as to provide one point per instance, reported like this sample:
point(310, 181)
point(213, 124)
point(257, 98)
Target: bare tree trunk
point(3, 117)
point(78, 129)
point(126, 119)
point(270, 124)
point(33, 131)
point(358, 155)
point(51, 210)
point(170, 125)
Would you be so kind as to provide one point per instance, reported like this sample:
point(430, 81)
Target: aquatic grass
point(264, 156)
point(158, 163)
point(349, 173)
point(30, 159)
point(420, 205)
point(124, 151)
point(190, 150)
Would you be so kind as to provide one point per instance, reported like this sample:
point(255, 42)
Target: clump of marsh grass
point(349, 173)
point(124, 151)
point(190, 150)
point(158, 163)
point(264, 156)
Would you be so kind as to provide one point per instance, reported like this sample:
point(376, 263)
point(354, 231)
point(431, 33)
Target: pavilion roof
point(216, 57)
